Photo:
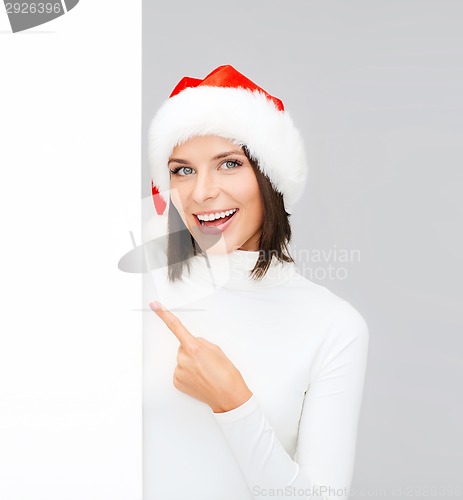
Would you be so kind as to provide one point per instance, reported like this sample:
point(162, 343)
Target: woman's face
point(211, 176)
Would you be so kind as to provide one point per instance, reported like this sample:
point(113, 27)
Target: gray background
point(376, 87)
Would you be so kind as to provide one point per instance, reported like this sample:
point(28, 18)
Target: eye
point(231, 164)
point(185, 170)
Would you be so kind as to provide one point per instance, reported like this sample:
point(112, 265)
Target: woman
point(256, 390)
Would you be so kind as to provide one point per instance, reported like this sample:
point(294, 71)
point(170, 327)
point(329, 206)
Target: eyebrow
point(217, 157)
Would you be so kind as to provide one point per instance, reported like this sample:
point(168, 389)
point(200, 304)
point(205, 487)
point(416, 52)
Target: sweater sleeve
point(324, 459)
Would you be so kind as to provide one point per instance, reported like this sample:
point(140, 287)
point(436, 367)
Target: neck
point(233, 270)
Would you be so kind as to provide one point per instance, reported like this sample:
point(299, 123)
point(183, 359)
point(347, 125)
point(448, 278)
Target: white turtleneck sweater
point(301, 350)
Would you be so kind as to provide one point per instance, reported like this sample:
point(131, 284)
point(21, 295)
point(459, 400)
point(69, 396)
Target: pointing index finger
point(174, 324)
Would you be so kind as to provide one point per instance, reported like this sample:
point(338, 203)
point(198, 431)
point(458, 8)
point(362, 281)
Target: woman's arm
point(324, 460)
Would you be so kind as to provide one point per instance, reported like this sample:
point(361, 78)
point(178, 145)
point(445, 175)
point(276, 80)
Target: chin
point(215, 246)
point(219, 248)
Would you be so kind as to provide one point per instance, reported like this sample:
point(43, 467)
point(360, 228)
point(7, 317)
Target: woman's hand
point(203, 371)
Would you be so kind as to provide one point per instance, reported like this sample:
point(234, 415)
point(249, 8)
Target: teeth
point(218, 215)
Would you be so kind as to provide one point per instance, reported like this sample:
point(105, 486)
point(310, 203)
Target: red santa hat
point(227, 104)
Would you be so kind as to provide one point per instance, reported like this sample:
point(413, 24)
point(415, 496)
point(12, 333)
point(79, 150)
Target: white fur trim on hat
point(242, 116)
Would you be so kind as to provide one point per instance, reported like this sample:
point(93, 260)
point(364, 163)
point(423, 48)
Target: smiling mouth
point(216, 222)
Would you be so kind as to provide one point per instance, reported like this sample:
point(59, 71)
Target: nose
point(205, 187)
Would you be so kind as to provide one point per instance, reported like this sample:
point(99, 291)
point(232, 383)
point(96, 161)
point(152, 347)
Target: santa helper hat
point(229, 105)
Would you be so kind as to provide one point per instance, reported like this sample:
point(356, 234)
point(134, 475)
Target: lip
point(215, 211)
point(215, 229)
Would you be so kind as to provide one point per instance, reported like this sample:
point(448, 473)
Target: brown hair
point(273, 242)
